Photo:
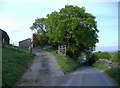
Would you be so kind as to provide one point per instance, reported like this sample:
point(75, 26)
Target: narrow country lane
point(89, 76)
point(44, 71)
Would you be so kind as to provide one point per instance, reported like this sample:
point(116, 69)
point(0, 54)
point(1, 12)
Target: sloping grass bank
point(112, 59)
point(14, 62)
point(65, 62)
point(114, 73)
point(100, 66)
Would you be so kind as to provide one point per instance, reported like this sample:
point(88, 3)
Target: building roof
point(2, 31)
point(25, 40)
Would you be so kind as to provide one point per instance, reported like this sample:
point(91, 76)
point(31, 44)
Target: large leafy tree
point(74, 27)
point(39, 24)
point(40, 31)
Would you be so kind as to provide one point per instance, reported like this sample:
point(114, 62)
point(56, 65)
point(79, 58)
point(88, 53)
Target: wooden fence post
point(30, 49)
point(65, 50)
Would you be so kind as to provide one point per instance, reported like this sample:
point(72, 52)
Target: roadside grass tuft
point(100, 66)
point(15, 61)
point(114, 73)
point(65, 62)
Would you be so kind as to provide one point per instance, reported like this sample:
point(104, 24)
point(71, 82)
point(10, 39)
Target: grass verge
point(100, 66)
point(14, 62)
point(65, 62)
point(114, 73)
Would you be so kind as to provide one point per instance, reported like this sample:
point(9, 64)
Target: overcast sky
point(16, 17)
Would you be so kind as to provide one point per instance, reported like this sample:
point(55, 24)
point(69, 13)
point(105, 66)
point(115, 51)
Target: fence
point(62, 50)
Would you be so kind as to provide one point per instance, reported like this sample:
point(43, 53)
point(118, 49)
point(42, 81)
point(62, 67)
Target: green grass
point(65, 62)
point(115, 74)
point(14, 62)
point(100, 66)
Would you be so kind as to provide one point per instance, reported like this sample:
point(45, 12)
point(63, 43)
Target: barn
point(5, 37)
point(25, 43)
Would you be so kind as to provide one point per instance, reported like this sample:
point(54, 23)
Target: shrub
point(91, 59)
point(116, 57)
point(114, 73)
point(103, 55)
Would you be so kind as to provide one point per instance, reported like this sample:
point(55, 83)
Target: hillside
point(15, 61)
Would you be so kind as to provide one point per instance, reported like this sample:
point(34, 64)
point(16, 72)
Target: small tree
point(91, 59)
point(41, 34)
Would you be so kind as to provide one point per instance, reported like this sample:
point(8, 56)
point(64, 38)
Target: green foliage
point(14, 62)
point(39, 27)
point(115, 74)
point(91, 59)
point(71, 26)
point(116, 57)
point(103, 55)
point(66, 63)
point(100, 66)
point(41, 39)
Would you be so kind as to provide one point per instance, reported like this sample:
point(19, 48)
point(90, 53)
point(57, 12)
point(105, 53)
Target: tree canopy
point(39, 27)
point(71, 26)
point(116, 57)
point(103, 55)
point(74, 27)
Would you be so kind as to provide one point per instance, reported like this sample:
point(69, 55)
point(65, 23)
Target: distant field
point(14, 62)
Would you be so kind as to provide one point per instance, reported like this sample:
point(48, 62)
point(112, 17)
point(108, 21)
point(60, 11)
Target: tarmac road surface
point(89, 76)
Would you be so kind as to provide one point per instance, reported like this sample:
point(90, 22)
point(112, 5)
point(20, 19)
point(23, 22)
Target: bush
point(114, 73)
point(103, 55)
point(116, 57)
point(91, 59)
